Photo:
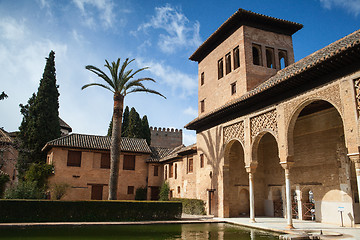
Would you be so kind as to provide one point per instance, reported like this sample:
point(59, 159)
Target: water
point(210, 231)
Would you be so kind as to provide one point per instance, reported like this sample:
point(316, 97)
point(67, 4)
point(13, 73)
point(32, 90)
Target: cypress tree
point(145, 130)
point(109, 133)
point(125, 123)
point(41, 115)
point(134, 130)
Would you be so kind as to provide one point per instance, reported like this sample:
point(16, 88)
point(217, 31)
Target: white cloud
point(189, 137)
point(180, 32)
point(352, 6)
point(176, 80)
point(104, 9)
point(11, 29)
point(191, 111)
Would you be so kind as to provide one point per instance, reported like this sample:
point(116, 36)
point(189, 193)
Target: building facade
point(279, 138)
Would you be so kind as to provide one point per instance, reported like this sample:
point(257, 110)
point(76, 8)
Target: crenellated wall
point(165, 137)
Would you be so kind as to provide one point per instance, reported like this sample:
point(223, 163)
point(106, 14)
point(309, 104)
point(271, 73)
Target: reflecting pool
point(213, 231)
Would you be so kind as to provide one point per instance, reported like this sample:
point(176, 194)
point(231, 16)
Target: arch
point(228, 146)
point(256, 50)
point(294, 117)
point(256, 141)
point(235, 179)
point(283, 59)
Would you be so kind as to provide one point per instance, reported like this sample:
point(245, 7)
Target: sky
point(158, 34)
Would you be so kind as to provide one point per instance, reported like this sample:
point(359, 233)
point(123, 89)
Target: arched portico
point(317, 144)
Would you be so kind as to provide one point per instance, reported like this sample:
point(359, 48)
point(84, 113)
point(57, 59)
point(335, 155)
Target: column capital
point(287, 162)
point(251, 168)
point(354, 157)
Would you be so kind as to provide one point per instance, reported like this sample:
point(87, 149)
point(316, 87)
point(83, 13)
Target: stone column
point(355, 157)
point(286, 166)
point(251, 170)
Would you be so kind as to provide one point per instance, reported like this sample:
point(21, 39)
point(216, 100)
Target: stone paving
point(329, 231)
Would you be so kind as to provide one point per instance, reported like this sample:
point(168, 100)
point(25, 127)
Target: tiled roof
point(248, 18)
point(179, 151)
point(83, 141)
point(158, 153)
point(4, 137)
point(64, 125)
point(351, 41)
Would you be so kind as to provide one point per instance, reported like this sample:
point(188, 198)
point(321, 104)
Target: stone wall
point(165, 137)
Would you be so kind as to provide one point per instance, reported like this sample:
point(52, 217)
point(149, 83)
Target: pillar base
point(252, 221)
point(290, 226)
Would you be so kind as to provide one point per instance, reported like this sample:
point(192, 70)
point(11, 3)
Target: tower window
point(233, 88)
point(270, 58)
point(256, 54)
point(202, 79)
point(201, 160)
point(220, 68)
point(202, 106)
point(283, 60)
point(236, 58)
point(228, 63)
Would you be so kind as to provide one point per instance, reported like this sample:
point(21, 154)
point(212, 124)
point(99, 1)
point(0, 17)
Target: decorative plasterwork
point(234, 131)
point(263, 122)
point(330, 94)
point(357, 94)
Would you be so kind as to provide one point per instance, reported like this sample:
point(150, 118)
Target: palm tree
point(120, 84)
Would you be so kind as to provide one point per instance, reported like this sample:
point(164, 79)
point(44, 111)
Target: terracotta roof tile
point(177, 152)
point(158, 153)
point(75, 140)
point(4, 137)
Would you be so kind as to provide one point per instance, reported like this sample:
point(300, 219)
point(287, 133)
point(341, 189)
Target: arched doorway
point(238, 184)
point(268, 178)
point(320, 162)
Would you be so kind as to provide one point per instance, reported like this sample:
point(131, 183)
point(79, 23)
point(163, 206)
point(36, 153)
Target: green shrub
point(39, 173)
point(141, 193)
point(58, 190)
point(192, 206)
point(4, 178)
point(86, 211)
point(25, 190)
point(164, 192)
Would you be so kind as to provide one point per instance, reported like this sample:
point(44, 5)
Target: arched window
point(283, 61)
point(236, 58)
point(256, 54)
point(220, 68)
point(228, 63)
point(270, 61)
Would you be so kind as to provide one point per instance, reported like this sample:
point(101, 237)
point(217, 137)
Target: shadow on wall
point(214, 152)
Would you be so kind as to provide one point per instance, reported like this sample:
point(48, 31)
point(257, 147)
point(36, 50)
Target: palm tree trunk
point(115, 145)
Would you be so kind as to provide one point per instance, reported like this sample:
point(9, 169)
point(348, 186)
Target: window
point(233, 88)
point(171, 170)
point(178, 189)
point(156, 170)
point(190, 165)
point(74, 159)
point(220, 68)
point(202, 79)
point(283, 61)
point(129, 162)
point(201, 160)
point(228, 63)
point(165, 173)
point(202, 106)
point(236, 58)
point(171, 194)
point(96, 192)
point(130, 190)
point(270, 58)
point(256, 49)
point(175, 171)
point(105, 160)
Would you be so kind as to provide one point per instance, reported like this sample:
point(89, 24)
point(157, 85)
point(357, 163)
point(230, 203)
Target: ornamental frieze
point(357, 94)
point(265, 121)
point(234, 131)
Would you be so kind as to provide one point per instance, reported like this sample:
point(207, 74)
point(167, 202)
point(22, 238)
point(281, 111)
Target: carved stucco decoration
point(234, 131)
point(357, 94)
point(265, 121)
point(331, 94)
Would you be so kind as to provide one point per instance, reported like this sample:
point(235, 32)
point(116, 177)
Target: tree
point(164, 192)
point(125, 122)
point(110, 128)
point(40, 118)
point(145, 130)
point(121, 83)
point(3, 95)
point(134, 128)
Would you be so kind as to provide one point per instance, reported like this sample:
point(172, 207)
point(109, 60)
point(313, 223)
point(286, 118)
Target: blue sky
point(158, 34)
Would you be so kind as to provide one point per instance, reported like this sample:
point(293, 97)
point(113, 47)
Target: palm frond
point(100, 74)
point(97, 84)
point(139, 70)
point(146, 90)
